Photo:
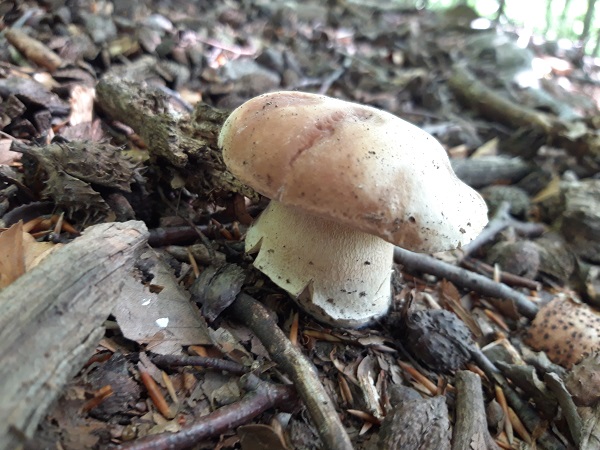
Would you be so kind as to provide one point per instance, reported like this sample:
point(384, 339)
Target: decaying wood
point(298, 367)
point(470, 429)
point(51, 319)
point(187, 143)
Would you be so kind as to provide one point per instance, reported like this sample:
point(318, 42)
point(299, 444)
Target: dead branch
point(505, 277)
point(201, 361)
point(415, 262)
point(469, 89)
point(262, 396)
point(51, 320)
point(298, 367)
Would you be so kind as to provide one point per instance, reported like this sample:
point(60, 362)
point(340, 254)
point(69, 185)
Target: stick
point(470, 429)
point(478, 283)
point(298, 367)
point(263, 396)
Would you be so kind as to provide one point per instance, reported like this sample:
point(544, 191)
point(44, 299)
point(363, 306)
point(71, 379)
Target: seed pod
point(583, 382)
point(438, 339)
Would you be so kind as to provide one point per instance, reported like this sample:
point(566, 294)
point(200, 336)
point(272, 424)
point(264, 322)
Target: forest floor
point(130, 316)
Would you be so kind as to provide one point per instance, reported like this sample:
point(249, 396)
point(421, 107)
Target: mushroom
point(347, 183)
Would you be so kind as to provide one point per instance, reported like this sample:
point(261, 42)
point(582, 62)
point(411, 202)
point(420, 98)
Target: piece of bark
point(470, 430)
point(417, 424)
point(580, 219)
point(187, 143)
point(51, 319)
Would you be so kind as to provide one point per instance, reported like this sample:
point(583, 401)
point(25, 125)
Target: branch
point(298, 367)
point(263, 396)
point(461, 277)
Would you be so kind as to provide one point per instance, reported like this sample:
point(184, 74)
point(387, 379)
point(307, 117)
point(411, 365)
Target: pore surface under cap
point(353, 164)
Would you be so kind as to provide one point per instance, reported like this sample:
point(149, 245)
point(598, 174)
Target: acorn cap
point(356, 165)
point(566, 331)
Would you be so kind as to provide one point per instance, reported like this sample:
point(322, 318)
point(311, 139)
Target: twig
point(425, 263)
point(202, 361)
point(556, 385)
point(501, 220)
point(298, 367)
point(160, 237)
point(505, 277)
point(334, 76)
point(263, 396)
point(494, 104)
point(470, 429)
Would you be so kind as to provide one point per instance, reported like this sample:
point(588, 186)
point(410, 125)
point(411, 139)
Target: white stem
point(339, 275)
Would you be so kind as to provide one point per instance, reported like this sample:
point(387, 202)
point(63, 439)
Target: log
point(51, 319)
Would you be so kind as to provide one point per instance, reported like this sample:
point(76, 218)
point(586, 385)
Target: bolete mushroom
point(347, 183)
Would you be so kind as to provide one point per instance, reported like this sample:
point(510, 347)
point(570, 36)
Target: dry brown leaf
point(34, 252)
point(12, 258)
point(7, 156)
point(159, 315)
point(490, 148)
point(261, 437)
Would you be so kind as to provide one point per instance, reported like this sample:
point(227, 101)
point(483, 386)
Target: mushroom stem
point(339, 275)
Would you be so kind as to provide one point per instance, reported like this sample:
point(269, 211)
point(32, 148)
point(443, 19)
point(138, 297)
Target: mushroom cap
point(353, 164)
point(566, 331)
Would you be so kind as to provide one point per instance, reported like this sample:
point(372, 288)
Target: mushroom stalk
point(340, 275)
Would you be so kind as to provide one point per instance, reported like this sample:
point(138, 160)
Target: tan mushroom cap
point(356, 165)
point(566, 331)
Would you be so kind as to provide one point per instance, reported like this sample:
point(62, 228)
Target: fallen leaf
point(7, 156)
point(12, 258)
point(35, 252)
point(164, 321)
point(261, 437)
